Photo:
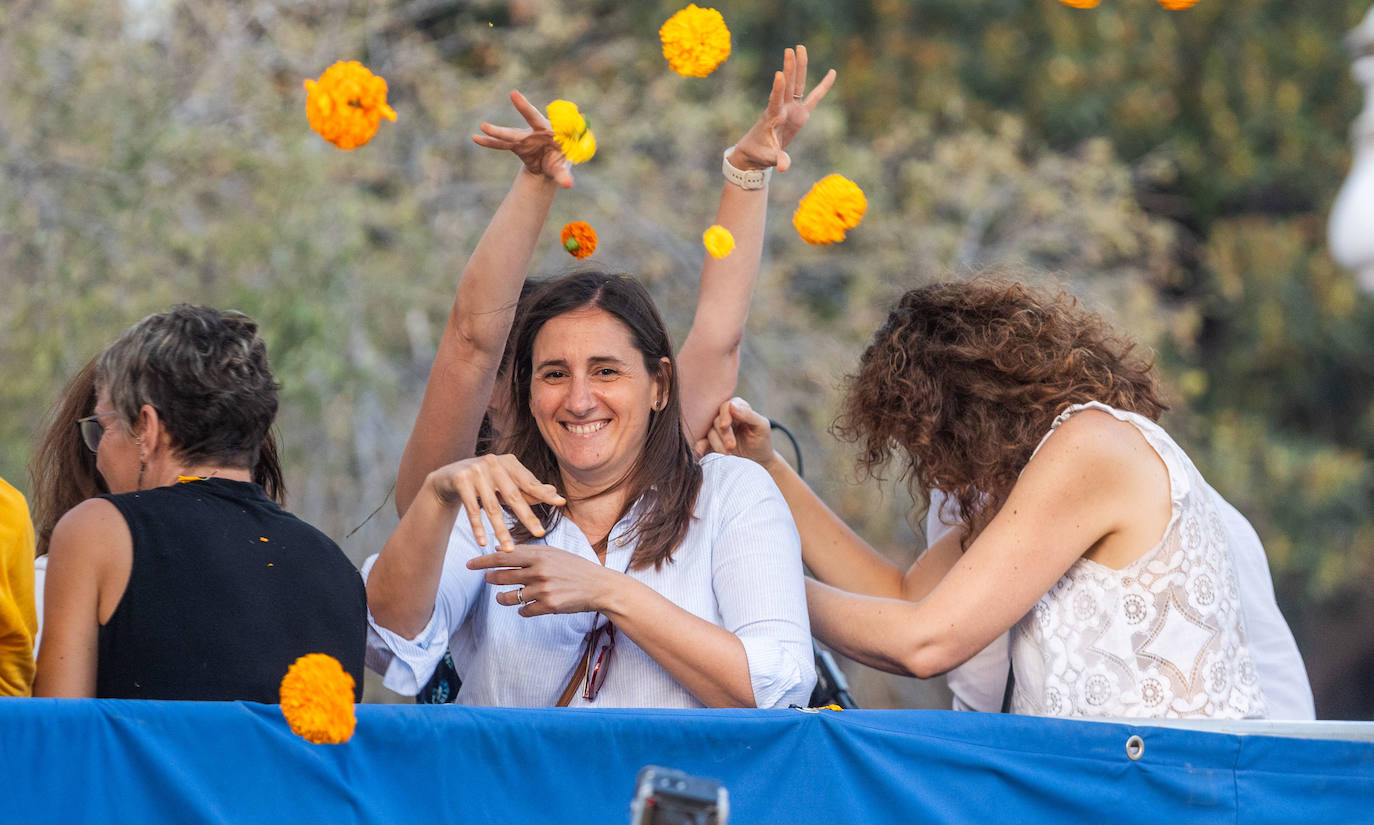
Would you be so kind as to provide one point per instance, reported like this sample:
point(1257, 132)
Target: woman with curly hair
point(1083, 528)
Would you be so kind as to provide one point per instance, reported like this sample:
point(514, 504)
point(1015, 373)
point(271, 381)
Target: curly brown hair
point(967, 377)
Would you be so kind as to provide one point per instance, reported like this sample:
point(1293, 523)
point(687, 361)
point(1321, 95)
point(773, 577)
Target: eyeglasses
point(90, 428)
point(597, 670)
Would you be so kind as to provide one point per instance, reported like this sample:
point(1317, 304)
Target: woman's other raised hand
point(482, 483)
point(535, 145)
point(789, 107)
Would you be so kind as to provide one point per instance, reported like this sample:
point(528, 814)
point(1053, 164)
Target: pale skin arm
point(89, 560)
point(1081, 491)
point(468, 359)
point(706, 659)
point(709, 360)
point(1087, 486)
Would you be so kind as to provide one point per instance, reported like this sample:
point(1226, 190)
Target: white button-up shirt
point(739, 567)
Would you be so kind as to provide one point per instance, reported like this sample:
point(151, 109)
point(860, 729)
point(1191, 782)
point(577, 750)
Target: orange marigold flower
point(317, 700)
point(571, 131)
point(718, 241)
point(346, 104)
point(1177, 5)
point(835, 204)
point(1081, 4)
point(695, 41)
point(579, 238)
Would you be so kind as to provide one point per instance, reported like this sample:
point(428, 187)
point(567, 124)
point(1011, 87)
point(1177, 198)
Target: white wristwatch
point(744, 178)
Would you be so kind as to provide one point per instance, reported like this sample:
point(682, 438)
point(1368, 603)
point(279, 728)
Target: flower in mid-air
point(1081, 4)
point(571, 131)
point(346, 104)
point(695, 41)
point(718, 241)
point(1177, 5)
point(317, 700)
point(578, 238)
point(833, 206)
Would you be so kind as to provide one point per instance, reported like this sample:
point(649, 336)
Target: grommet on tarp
point(1135, 748)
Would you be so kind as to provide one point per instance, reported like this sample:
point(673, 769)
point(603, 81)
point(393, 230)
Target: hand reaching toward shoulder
point(535, 145)
point(739, 430)
point(788, 109)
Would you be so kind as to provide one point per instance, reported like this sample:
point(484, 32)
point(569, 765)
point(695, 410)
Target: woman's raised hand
point(483, 483)
point(739, 430)
point(789, 106)
point(535, 146)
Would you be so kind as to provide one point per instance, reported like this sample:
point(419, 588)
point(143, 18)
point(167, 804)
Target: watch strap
point(744, 178)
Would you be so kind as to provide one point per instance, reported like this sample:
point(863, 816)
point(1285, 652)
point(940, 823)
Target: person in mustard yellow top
point(17, 619)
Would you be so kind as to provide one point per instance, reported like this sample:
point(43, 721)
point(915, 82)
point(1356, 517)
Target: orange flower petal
point(317, 700)
point(834, 205)
point(579, 238)
point(346, 105)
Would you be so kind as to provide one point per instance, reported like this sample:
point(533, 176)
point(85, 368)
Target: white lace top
point(1162, 637)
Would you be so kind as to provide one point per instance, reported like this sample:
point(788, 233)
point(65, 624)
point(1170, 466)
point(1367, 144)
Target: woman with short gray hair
point(187, 581)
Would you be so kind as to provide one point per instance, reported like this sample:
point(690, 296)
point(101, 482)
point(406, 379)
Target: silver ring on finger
point(520, 596)
point(796, 97)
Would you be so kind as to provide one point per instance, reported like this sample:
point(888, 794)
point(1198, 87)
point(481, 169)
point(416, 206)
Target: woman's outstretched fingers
point(491, 505)
point(513, 561)
point(510, 134)
point(527, 110)
point(820, 91)
point(521, 510)
point(467, 494)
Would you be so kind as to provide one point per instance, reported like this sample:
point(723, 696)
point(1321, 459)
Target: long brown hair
point(62, 470)
point(665, 477)
point(966, 379)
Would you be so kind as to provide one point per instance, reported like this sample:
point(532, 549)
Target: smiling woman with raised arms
point(656, 581)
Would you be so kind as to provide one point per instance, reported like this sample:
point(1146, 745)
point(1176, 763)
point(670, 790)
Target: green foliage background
point(1172, 168)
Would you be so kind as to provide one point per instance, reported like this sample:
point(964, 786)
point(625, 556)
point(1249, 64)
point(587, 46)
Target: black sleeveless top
point(226, 591)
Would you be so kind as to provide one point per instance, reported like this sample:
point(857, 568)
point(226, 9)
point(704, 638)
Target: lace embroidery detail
point(1162, 637)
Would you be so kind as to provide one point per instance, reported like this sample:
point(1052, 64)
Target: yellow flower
point(317, 700)
point(571, 131)
point(835, 204)
point(579, 238)
point(346, 104)
point(718, 240)
point(695, 41)
point(1177, 5)
point(1081, 4)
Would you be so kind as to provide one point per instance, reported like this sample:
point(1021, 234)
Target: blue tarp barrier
point(106, 761)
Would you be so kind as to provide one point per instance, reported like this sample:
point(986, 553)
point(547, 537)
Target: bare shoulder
point(1094, 438)
point(1097, 455)
point(90, 531)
